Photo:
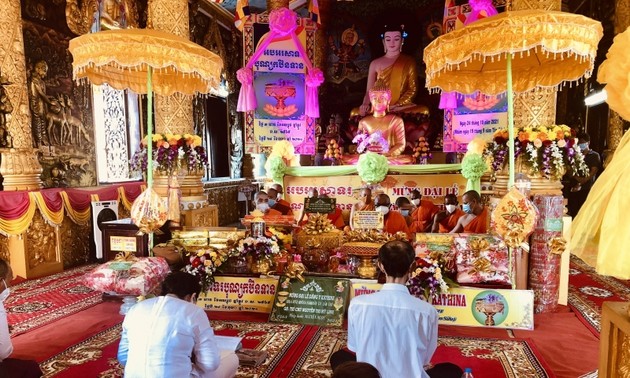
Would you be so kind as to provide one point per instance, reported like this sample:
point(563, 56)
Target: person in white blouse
point(170, 336)
point(11, 367)
point(391, 329)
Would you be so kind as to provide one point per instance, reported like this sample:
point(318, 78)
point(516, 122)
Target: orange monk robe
point(395, 222)
point(336, 218)
point(284, 207)
point(449, 223)
point(272, 213)
point(423, 216)
point(479, 225)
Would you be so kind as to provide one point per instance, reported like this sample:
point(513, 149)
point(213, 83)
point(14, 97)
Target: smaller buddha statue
point(390, 126)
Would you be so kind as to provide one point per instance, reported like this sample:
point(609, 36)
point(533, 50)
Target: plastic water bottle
point(467, 373)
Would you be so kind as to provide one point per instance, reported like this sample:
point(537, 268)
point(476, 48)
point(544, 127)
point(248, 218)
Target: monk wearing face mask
point(393, 221)
point(446, 220)
point(476, 219)
point(423, 214)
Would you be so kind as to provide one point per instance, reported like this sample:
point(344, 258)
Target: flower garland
point(259, 248)
point(368, 142)
point(203, 263)
point(428, 279)
point(547, 150)
point(171, 152)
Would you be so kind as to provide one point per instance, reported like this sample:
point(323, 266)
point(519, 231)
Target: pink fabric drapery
point(282, 23)
point(13, 205)
point(52, 198)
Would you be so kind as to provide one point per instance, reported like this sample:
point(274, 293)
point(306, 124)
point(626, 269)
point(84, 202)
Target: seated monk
point(475, 221)
point(394, 221)
point(276, 202)
point(405, 208)
point(261, 202)
point(446, 220)
point(422, 215)
point(365, 203)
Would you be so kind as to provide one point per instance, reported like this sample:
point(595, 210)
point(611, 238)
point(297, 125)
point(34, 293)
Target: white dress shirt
point(394, 331)
point(6, 347)
point(161, 334)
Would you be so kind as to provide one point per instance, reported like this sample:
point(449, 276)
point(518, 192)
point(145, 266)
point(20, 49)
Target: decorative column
point(615, 122)
point(537, 107)
point(174, 114)
point(19, 168)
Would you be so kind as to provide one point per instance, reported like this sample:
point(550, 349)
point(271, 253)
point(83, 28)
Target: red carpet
point(34, 303)
point(96, 355)
point(588, 290)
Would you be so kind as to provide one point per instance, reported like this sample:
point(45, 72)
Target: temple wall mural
point(61, 109)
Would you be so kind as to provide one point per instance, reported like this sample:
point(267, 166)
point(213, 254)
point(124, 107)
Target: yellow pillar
point(173, 114)
point(19, 168)
point(615, 122)
point(537, 107)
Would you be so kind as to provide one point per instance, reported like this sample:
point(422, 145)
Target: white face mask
point(416, 201)
point(5, 293)
point(263, 206)
point(383, 209)
point(451, 208)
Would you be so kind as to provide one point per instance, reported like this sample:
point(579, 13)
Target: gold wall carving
point(225, 196)
point(42, 242)
point(4, 249)
point(550, 5)
point(622, 16)
point(79, 17)
point(535, 108)
point(13, 68)
point(75, 243)
point(624, 360)
point(19, 167)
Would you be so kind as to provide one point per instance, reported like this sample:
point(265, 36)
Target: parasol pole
point(510, 104)
point(150, 140)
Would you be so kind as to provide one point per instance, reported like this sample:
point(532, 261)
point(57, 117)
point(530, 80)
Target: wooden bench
point(614, 342)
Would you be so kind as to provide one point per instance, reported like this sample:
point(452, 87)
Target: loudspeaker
point(103, 211)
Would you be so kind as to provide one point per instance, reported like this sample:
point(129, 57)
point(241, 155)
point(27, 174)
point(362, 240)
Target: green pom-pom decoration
point(276, 168)
point(372, 167)
point(473, 166)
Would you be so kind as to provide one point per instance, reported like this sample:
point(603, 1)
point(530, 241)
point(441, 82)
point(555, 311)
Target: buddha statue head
point(380, 97)
point(393, 37)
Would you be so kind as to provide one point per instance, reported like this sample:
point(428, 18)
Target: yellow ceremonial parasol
point(513, 51)
point(145, 61)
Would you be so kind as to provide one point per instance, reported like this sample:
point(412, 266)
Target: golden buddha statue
point(390, 126)
point(398, 72)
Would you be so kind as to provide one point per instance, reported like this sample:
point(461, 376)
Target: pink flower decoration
point(561, 143)
point(538, 143)
point(245, 75)
point(282, 22)
point(314, 77)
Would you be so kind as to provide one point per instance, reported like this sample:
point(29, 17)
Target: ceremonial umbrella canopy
point(145, 61)
point(513, 51)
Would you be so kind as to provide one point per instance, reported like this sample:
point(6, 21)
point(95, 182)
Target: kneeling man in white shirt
point(391, 329)
point(170, 336)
